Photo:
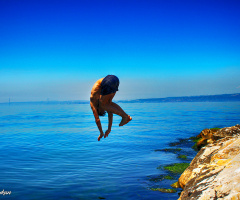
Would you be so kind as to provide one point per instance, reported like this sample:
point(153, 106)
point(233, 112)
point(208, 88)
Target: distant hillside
point(203, 98)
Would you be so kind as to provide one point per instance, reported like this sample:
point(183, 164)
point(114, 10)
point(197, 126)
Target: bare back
point(96, 90)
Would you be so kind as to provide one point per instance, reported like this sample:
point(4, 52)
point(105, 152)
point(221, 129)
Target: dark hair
point(109, 85)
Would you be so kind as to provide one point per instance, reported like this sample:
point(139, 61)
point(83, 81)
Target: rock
point(209, 136)
point(214, 173)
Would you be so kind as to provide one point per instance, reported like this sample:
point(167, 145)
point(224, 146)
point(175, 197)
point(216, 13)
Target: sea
point(50, 150)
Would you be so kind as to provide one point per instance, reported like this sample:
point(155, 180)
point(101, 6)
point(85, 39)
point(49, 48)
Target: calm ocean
point(50, 151)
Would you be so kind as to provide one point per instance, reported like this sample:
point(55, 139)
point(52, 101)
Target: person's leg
point(125, 119)
point(117, 107)
point(109, 106)
point(108, 98)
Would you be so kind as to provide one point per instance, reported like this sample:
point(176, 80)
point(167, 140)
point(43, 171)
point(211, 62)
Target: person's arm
point(110, 120)
point(97, 120)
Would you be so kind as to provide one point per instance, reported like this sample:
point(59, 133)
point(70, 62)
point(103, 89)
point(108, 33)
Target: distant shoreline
point(202, 98)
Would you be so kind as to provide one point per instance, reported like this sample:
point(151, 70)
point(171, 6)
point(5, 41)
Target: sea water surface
point(50, 151)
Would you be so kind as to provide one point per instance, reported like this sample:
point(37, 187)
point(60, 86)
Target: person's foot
point(107, 133)
point(125, 120)
point(99, 137)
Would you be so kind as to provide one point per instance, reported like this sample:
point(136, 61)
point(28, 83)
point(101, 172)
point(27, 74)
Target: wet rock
point(214, 173)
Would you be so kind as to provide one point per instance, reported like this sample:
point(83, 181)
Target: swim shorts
point(109, 85)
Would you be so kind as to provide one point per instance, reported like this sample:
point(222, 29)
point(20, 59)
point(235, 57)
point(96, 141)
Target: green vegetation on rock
point(168, 177)
point(184, 157)
point(164, 190)
point(215, 129)
point(177, 167)
point(196, 140)
point(176, 185)
point(195, 147)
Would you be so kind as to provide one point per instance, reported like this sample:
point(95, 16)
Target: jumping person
point(101, 97)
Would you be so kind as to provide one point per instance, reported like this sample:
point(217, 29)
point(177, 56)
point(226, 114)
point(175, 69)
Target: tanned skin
point(101, 103)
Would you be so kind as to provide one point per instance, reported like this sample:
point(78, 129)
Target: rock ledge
point(214, 173)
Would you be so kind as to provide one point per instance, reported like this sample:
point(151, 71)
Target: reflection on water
point(52, 152)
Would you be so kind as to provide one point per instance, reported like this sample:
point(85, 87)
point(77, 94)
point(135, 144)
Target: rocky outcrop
point(215, 171)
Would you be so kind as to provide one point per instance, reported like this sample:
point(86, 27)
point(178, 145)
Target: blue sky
point(58, 49)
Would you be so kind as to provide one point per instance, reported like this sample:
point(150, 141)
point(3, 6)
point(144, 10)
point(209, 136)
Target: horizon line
point(86, 101)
